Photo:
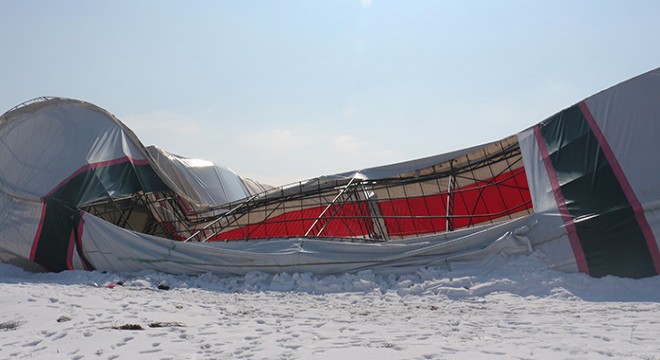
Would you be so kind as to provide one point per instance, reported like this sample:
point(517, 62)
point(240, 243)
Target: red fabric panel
point(348, 221)
point(399, 215)
point(492, 199)
point(477, 203)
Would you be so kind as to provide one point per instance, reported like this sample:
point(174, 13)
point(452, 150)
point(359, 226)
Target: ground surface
point(506, 308)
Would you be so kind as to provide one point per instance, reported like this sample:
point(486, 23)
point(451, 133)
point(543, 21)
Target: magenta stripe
point(79, 246)
point(578, 252)
point(35, 243)
point(625, 186)
point(99, 165)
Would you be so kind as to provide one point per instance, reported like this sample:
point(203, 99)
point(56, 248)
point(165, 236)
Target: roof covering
point(78, 190)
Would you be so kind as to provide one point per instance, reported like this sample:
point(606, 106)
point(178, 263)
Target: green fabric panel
point(104, 182)
point(53, 245)
point(61, 217)
point(611, 238)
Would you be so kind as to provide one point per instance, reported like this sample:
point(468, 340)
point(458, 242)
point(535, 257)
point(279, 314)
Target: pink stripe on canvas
point(79, 246)
point(578, 252)
point(625, 186)
point(99, 165)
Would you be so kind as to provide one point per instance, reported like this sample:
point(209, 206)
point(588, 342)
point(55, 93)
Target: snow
point(502, 308)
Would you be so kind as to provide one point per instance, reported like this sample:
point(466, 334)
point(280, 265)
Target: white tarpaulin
point(79, 191)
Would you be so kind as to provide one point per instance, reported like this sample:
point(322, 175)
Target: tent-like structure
point(79, 191)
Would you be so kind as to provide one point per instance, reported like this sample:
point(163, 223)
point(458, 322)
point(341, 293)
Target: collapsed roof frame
point(346, 202)
point(341, 207)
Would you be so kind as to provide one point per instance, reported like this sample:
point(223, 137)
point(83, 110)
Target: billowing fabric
point(582, 187)
point(45, 143)
point(109, 247)
point(58, 155)
point(202, 181)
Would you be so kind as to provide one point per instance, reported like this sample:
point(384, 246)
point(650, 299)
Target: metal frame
point(330, 197)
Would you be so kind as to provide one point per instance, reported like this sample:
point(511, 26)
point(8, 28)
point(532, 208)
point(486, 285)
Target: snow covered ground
point(506, 308)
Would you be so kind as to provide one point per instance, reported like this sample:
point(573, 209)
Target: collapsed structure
point(79, 191)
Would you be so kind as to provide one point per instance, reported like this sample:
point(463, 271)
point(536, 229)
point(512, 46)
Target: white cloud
point(280, 140)
point(167, 123)
point(556, 87)
point(272, 155)
point(186, 135)
point(349, 144)
point(366, 3)
point(348, 111)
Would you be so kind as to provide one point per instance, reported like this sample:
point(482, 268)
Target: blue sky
point(286, 90)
